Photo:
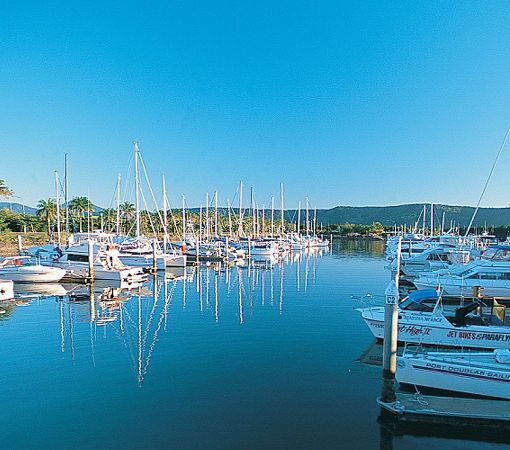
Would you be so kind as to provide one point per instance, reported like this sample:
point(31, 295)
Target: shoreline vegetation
point(82, 215)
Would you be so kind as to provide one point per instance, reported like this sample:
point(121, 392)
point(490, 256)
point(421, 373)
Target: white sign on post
point(391, 300)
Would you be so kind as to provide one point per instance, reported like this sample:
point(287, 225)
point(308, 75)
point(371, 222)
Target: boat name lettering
point(414, 330)
point(479, 336)
point(469, 371)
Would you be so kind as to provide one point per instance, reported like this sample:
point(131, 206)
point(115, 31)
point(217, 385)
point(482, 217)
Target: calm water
point(259, 358)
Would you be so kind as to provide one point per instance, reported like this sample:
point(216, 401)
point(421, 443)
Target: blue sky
point(348, 103)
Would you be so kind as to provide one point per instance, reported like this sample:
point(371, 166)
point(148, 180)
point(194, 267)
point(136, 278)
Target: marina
point(242, 353)
point(255, 225)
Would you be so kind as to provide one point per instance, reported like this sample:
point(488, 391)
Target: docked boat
point(21, 269)
point(490, 273)
point(432, 260)
point(422, 319)
point(74, 260)
point(479, 373)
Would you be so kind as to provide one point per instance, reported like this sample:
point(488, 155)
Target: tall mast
point(66, 193)
point(424, 217)
point(207, 216)
point(432, 219)
point(272, 215)
point(117, 227)
point(183, 218)
point(315, 221)
point(240, 231)
point(216, 213)
point(137, 190)
point(165, 219)
point(200, 224)
point(442, 224)
point(299, 218)
point(229, 219)
point(252, 213)
point(307, 219)
point(283, 219)
point(57, 190)
point(263, 220)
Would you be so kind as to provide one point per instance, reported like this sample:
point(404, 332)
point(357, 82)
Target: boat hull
point(32, 274)
point(457, 376)
point(437, 330)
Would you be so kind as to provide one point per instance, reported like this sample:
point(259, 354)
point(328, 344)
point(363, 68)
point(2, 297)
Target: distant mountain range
point(366, 215)
point(23, 209)
point(18, 208)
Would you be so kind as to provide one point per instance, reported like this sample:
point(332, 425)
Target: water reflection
point(136, 315)
point(366, 248)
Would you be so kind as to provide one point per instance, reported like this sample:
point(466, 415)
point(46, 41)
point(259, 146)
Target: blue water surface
point(244, 358)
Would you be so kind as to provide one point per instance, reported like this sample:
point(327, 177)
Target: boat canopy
point(415, 300)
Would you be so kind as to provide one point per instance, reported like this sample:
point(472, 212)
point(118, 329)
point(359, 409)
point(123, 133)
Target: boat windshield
point(422, 300)
point(497, 253)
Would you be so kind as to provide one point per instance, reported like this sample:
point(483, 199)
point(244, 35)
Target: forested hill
point(409, 214)
point(367, 215)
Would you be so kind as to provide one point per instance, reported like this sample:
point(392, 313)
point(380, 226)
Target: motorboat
point(490, 273)
point(74, 259)
point(21, 269)
point(422, 319)
point(478, 373)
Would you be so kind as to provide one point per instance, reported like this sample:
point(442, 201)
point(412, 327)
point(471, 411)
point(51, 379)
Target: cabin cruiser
point(140, 252)
point(431, 260)
point(479, 373)
point(422, 319)
point(21, 269)
point(490, 273)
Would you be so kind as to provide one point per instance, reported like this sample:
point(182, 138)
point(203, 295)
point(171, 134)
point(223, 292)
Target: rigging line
point(153, 198)
point(487, 182)
point(128, 175)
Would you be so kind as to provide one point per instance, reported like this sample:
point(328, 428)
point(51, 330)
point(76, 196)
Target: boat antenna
point(487, 182)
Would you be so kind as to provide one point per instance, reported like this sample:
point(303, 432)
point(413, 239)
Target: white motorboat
point(491, 273)
point(480, 373)
point(431, 260)
point(74, 260)
point(6, 290)
point(423, 320)
point(21, 269)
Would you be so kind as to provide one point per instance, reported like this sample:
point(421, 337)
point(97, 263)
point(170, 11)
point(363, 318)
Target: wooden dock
point(437, 409)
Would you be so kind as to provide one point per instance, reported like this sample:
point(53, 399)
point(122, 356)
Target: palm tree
point(47, 209)
point(80, 205)
point(127, 209)
point(4, 190)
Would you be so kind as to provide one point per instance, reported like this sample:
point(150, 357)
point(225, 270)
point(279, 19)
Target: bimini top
point(416, 299)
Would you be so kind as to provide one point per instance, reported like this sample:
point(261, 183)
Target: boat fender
point(17, 262)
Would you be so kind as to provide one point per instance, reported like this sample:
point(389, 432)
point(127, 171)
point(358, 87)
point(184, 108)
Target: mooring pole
point(20, 244)
point(91, 259)
point(391, 335)
point(226, 248)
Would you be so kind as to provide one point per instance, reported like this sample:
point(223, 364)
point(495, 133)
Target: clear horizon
point(373, 104)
